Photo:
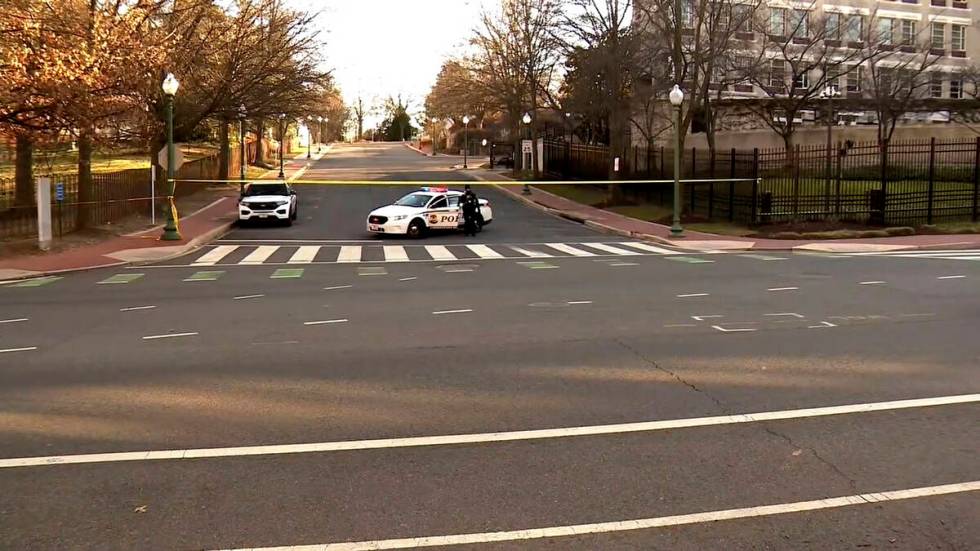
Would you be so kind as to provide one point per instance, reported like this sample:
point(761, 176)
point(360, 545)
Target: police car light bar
point(435, 189)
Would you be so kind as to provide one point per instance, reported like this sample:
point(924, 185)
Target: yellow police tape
point(448, 183)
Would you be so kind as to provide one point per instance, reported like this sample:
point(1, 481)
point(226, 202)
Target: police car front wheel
point(416, 228)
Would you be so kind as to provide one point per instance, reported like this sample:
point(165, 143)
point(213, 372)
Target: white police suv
point(430, 208)
point(268, 201)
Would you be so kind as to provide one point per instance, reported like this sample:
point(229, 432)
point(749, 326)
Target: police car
point(268, 201)
point(430, 208)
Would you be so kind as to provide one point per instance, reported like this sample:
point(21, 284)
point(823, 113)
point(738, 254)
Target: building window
point(854, 79)
point(799, 23)
point(886, 31)
point(936, 87)
point(801, 80)
point(833, 26)
point(743, 15)
point(908, 32)
point(687, 14)
point(777, 22)
point(956, 89)
point(777, 74)
point(957, 37)
point(853, 28)
point(938, 35)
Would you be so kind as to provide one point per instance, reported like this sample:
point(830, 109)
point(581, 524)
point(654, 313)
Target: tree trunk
point(260, 143)
point(224, 151)
point(24, 172)
point(86, 193)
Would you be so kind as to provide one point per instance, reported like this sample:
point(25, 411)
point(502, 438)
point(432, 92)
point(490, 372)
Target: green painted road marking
point(371, 271)
point(38, 282)
point(762, 257)
point(205, 276)
point(121, 279)
point(689, 259)
point(287, 273)
point(538, 265)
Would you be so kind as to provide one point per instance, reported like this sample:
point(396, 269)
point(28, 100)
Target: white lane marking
point(441, 312)
point(408, 279)
point(484, 252)
point(326, 322)
point(349, 253)
point(304, 255)
point(18, 320)
point(639, 524)
point(822, 325)
point(215, 255)
point(872, 283)
point(136, 308)
point(490, 437)
point(567, 249)
point(248, 297)
point(530, 252)
point(693, 295)
point(25, 349)
point(618, 264)
point(395, 253)
point(439, 252)
point(577, 302)
point(648, 248)
point(786, 314)
point(169, 336)
point(335, 287)
point(724, 330)
point(610, 249)
point(952, 277)
point(260, 254)
point(778, 289)
point(681, 325)
point(702, 318)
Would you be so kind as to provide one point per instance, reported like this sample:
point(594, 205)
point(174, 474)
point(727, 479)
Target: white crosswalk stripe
point(304, 255)
point(395, 253)
point(290, 254)
point(955, 254)
point(610, 249)
point(215, 255)
point(484, 252)
point(567, 249)
point(260, 254)
point(438, 252)
point(349, 253)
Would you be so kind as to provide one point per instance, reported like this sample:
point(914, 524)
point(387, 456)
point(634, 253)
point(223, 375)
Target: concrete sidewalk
point(196, 229)
point(618, 224)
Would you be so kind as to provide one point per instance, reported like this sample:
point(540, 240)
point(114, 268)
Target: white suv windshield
point(417, 200)
point(254, 190)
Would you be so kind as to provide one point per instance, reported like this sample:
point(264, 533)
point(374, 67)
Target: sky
point(382, 48)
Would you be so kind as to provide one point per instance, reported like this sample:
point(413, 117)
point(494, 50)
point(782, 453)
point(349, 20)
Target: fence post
point(755, 184)
point(976, 178)
point(932, 179)
point(694, 164)
point(796, 182)
point(711, 185)
point(839, 174)
point(731, 188)
point(661, 162)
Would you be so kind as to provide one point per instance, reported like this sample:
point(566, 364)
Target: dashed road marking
point(16, 320)
point(408, 279)
point(137, 308)
point(443, 312)
point(326, 322)
point(822, 325)
point(952, 277)
point(287, 273)
point(702, 318)
point(169, 336)
point(11, 350)
point(120, 279)
point(734, 330)
point(336, 287)
point(248, 297)
point(489, 437)
point(694, 295)
point(204, 276)
point(780, 289)
point(640, 524)
point(579, 302)
point(872, 282)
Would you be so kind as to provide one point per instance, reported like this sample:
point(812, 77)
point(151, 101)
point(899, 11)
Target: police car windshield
point(266, 189)
point(414, 200)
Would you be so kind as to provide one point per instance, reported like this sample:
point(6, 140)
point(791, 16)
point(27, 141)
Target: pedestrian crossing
point(253, 255)
point(961, 254)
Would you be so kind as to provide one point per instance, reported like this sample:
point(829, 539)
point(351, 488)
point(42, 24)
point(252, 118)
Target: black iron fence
point(907, 183)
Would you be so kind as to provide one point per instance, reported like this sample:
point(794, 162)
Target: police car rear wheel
point(416, 229)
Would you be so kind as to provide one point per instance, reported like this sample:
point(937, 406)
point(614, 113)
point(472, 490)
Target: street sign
point(59, 192)
point(527, 146)
point(178, 156)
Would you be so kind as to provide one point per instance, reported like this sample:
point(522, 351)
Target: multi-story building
point(848, 35)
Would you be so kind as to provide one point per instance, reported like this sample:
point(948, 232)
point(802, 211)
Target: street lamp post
point(282, 135)
point(435, 121)
point(466, 140)
point(319, 134)
point(676, 99)
point(829, 93)
point(170, 232)
point(241, 139)
point(309, 138)
point(527, 124)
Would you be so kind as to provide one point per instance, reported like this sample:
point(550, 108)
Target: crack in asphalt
point(726, 410)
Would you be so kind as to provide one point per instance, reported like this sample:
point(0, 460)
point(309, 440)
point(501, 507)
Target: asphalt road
point(248, 357)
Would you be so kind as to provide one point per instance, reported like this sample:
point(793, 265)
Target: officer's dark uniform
point(471, 209)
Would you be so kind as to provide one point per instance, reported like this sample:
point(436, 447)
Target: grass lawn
point(108, 161)
point(585, 194)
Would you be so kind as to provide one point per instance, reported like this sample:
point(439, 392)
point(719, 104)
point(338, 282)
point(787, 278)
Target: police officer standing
point(471, 209)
